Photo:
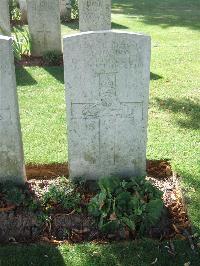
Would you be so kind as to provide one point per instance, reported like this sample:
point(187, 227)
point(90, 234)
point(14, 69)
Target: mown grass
point(173, 131)
point(138, 253)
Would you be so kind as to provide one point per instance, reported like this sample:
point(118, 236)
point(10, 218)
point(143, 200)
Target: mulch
point(28, 60)
point(18, 225)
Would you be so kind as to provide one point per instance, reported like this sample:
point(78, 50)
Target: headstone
point(4, 18)
point(94, 15)
point(44, 26)
point(107, 77)
point(11, 151)
point(65, 9)
point(23, 8)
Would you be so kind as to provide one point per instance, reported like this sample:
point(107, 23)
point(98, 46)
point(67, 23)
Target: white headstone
point(23, 8)
point(4, 18)
point(44, 25)
point(94, 15)
point(65, 9)
point(11, 151)
point(107, 77)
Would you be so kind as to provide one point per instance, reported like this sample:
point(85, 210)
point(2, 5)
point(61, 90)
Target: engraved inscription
point(108, 103)
point(107, 110)
point(44, 35)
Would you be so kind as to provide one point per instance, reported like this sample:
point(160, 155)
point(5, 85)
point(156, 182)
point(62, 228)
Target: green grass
point(138, 253)
point(173, 131)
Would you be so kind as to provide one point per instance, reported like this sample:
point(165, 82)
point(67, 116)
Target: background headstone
point(23, 9)
point(94, 15)
point(4, 18)
point(107, 77)
point(44, 25)
point(11, 151)
point(65, 9)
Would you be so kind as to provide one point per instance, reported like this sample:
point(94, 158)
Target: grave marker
point(65, 9)
point(4, 18)
point(11, 151)
point(94, 15)
point(23, 8)
point(107, 89)
point(44, 26)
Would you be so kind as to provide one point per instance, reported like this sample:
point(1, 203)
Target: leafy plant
point(21, 43)
point(62, 194)
point(52, 58)
point(19, 196)
point(12, 194)
point(132, 204)
point(15, 13)
point(75, 10)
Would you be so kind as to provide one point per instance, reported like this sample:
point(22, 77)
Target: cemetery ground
point(173, 133)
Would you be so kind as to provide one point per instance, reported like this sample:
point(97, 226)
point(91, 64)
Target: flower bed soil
point(27, 60)
point(20, 225)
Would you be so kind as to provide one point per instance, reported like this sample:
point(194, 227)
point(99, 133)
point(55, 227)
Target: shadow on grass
point(137, 253)
point(24, 78)
point(154, 76)
point(74, 24)
point(34, 254)
point(57, 72)
point(118, 26)
point(168, 13)
point(187, 107)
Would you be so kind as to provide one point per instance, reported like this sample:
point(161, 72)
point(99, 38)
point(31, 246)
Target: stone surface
point(11, 151)
point(23, 8)
point(44, 25)
point(107, 77)
point(4, 18)
point(65, 9)
point(94, 15)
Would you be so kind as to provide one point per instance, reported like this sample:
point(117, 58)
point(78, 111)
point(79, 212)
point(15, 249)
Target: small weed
point(62, 194)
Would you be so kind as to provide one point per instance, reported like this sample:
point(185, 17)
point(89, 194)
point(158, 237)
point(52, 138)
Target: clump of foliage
point(52, 58)
point(21, 43)
point(133, 204)
point(62, 194)
point(20, 196)
point(15, 13)
point(75, 10)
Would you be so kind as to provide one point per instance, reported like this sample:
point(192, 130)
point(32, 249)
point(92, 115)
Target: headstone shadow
point(154, 76)
point(118, 26)
point(39, 254)
point(24, 78)
point(56, 73)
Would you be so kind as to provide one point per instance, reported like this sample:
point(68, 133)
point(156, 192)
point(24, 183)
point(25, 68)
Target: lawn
point(173, 131)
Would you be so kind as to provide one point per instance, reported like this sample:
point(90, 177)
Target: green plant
point(75, 10)
point(21, 43)
point(134, 204)
point(12, 193)
point(52, 58)
point(15, 13)
point(19, 196)
point(62, 194)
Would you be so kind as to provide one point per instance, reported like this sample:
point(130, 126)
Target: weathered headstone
point(23, 9)
point(44, 26)
point(11, 151)
point(4, 18)
point(65, 9)
point(94, 15)
point(107, 88)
